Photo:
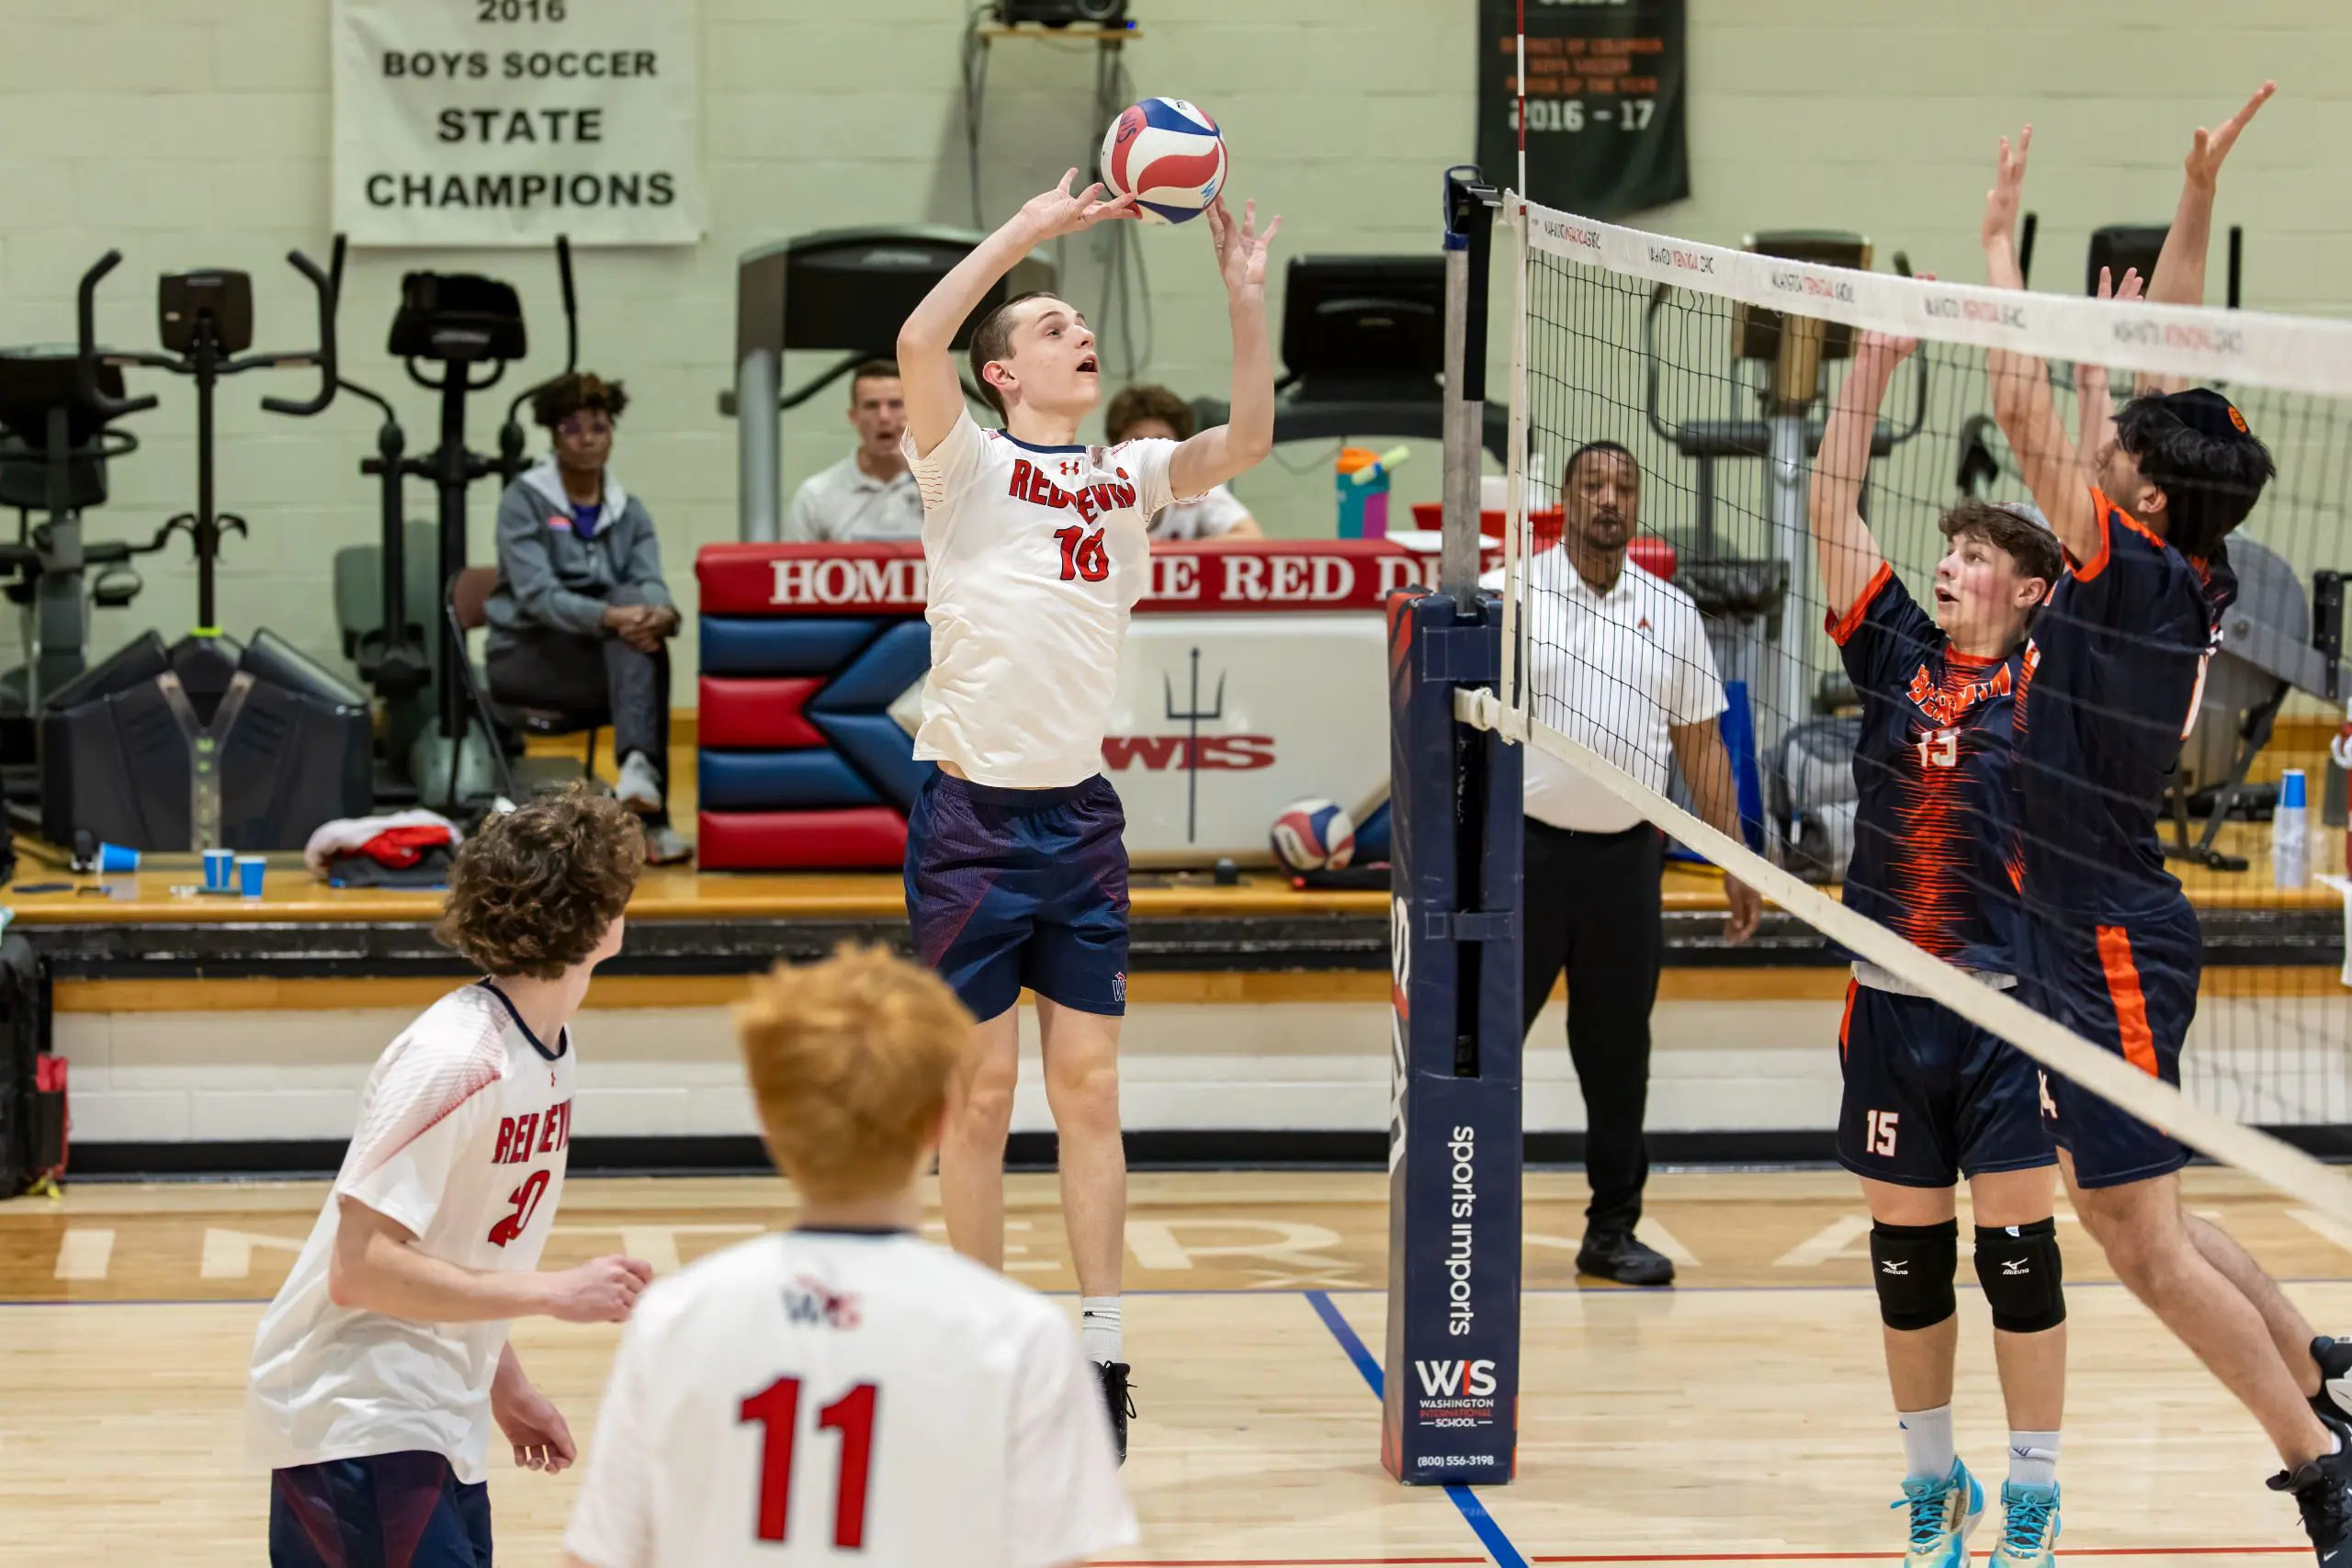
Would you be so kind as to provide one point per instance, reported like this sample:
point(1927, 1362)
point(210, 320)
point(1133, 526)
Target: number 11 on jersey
point(776, 1410)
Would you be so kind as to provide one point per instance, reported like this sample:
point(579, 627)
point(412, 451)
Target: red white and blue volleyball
point(1314, 835)
point(1169, 155)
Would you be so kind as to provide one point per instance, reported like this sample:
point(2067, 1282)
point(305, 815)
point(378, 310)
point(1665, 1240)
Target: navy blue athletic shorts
point(1930, 1096)
point(2131, 987)
point(403, 1510)
point(1015, 888)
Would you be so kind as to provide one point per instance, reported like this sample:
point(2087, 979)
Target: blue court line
point(1482, 1524)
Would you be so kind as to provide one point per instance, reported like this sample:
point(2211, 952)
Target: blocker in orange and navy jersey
point(1932, 827)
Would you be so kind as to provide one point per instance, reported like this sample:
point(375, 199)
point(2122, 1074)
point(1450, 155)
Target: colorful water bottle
point(2290, 833)
point(1362, 480)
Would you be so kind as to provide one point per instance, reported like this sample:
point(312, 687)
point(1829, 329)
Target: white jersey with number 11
point(839, 1396)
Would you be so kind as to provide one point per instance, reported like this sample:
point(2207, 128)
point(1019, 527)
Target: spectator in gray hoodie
point(581, 617)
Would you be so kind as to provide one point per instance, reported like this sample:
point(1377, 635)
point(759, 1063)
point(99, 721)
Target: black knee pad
point(1912, 1266)
point(2022, 1275)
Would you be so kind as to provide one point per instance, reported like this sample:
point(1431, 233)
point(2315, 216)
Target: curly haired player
point(381, 1368)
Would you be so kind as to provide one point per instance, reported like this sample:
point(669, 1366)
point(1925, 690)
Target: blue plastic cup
point(2291, 789)
point(114, 858)
point(249, 873)
point(218, 870)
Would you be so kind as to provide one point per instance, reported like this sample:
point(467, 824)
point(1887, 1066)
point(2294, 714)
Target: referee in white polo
point(1619, 660)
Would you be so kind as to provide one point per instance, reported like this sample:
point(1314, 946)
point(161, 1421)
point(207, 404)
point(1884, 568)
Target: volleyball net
point(1827, 465)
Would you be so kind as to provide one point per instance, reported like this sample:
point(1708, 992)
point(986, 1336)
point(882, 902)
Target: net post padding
point(2104, 1073)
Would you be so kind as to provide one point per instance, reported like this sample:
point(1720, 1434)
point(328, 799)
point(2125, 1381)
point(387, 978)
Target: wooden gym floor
point(1742, 1415)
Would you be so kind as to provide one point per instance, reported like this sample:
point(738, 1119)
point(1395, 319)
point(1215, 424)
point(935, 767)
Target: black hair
point(570, 392)
point(992, 339)
point(2212, 473)
point(1568, 475)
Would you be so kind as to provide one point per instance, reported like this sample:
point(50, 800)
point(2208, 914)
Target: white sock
point(1926, 1440)
point(2033, 1459)
point(1098, 1329)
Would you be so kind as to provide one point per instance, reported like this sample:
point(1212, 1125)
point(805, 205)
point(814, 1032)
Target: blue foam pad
point(773, 781)
point(767, 645)
point(878, 748)
point(1372, 837)
point(872, 682)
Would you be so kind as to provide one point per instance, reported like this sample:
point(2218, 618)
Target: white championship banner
point(507, 122)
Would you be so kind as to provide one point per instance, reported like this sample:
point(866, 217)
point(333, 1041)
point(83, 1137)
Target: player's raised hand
point(603, 1290)
point(1057, 212)
point(2009, 182)
point(542, 1438)
point(2128, 290)
point(2209, 147)
point(1242, 248)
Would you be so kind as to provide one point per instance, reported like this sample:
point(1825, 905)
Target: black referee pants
point(1593, 907)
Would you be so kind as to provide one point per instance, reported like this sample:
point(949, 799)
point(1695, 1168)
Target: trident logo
point(1192, 717)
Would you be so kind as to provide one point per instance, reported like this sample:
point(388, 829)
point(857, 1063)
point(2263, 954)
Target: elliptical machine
point(206, 743)
point(450, 752)
point(54, 447)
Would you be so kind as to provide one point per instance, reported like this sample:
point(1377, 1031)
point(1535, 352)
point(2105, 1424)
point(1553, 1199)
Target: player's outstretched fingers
point(639, 1267)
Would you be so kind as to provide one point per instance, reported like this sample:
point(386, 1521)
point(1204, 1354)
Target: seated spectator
point(1145, 411)
point(869, 495)
point(580, 619)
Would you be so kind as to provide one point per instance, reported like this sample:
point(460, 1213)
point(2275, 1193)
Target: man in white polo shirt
point(1619, 661)
point(869, 495)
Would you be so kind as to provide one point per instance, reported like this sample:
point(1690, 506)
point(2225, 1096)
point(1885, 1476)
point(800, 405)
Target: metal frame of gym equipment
point(93, 765)
point(457, 321)
point(1747, 597)
point(843, 290)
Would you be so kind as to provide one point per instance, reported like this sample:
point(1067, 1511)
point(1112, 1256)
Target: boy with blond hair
point(846, 1386)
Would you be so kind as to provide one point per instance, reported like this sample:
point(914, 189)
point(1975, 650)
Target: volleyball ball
point(1167, 154)
point(1314, 835)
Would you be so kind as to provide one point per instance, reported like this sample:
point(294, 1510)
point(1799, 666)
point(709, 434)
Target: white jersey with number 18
point(1035, 554)
point(848, 1397)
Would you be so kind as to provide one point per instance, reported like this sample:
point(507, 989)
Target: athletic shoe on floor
point(2029, 1526)
point(664, 846)
point(2322, 1489)
point(1942, 1514)
point(2333, 1400)
point(1621, 1255)
point(1118, 1400)
point(640, 788)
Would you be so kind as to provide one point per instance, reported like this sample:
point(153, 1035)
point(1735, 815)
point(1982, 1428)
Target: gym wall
point(196, 132)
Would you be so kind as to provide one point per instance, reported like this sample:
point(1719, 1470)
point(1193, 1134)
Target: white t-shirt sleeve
point(426, 1106)
point(1067, 1502)
point(804, 520)
point(1694, 691)
point(948, 468)
point(1146, 460)
point(612, 1518)
point(1218, 510)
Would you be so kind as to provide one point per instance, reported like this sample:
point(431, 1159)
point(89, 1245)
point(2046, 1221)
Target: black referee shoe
point(2322, 1491)
point(1621, 1255)
point(2333, 1400)
point(1118, 1400)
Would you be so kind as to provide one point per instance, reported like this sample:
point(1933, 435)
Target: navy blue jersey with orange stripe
point(2110, 685)
point(1932, 830)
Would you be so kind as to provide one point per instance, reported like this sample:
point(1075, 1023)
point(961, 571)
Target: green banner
point(1605, 90)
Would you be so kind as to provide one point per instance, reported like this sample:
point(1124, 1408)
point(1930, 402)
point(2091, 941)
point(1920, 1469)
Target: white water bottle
point(2290, 833)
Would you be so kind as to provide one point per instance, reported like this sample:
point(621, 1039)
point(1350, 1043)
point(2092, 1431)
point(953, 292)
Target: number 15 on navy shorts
point(1015, 888)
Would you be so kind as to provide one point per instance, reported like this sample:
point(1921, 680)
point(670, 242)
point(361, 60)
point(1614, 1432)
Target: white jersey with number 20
point(464, 1132)
point(848, 1397)
point(1034, 556)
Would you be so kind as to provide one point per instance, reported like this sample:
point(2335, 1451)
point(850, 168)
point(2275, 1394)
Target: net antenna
point(2263, 1049)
